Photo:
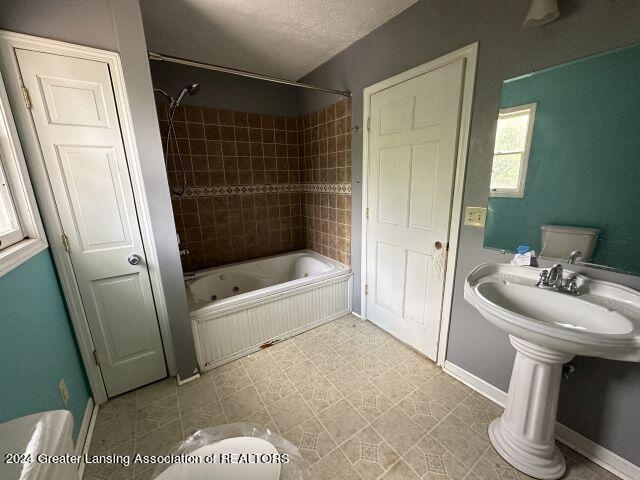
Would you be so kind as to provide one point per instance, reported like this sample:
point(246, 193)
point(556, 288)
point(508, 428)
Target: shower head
point(191, 89)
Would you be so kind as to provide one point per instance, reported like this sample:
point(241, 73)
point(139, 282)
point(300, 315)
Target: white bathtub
point(237, 308)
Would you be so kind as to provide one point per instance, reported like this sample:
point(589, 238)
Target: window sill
point(506, 194)
point(17, 254)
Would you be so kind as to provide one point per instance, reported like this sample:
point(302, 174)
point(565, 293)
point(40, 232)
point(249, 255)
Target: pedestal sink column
point(524, 434)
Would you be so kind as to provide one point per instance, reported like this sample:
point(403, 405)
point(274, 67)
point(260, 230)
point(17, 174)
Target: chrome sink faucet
point(553, 280)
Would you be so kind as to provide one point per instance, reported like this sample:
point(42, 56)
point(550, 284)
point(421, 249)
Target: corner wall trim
point(572, 439)
point(186, 380)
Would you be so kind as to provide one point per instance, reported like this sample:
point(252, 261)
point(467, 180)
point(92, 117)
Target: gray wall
point(600, 401)
point(225, 91)
point(116, 25)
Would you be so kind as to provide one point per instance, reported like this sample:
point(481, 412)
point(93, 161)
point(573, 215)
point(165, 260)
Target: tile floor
point(358, 403)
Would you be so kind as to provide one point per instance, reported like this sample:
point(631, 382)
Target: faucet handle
point(570, 284)
point(544, 278)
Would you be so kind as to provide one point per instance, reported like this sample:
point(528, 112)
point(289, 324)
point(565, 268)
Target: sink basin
point(604, 321)
point(547, 328)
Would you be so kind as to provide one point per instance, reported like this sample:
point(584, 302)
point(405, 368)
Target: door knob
point(134, 259)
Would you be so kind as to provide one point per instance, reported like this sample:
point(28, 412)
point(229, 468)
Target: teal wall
point(37, 344)
point(584, 166)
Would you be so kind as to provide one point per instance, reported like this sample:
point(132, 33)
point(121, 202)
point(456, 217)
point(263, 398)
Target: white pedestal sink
point(547, 328)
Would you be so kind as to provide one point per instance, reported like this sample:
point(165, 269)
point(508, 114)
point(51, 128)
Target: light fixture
point(541, 12)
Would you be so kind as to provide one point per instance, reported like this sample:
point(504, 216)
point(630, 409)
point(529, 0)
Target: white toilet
point(228, 471)
point(559, 241)
point(41, 433)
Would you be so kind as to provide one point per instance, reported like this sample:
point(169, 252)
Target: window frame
point(20, 191)
point(517, 192)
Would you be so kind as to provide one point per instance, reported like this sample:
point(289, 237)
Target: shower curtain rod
point(183, 61)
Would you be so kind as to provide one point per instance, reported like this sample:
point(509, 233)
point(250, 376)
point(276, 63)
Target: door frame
point(9, 41)
point(470, 55)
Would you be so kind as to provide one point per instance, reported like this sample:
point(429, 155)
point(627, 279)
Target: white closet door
point(74, 112)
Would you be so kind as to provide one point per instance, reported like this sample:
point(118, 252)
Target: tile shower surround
point(260, 184)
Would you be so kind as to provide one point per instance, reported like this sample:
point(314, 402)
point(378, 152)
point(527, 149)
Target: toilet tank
point(558, 241)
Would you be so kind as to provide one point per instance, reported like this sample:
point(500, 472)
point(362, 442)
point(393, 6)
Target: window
point(21, 235)
point(511, 151)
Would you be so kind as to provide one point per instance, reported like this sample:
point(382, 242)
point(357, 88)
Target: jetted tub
point(238, 308)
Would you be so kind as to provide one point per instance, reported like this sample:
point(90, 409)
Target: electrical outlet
point(475, 216)
point(64, 392)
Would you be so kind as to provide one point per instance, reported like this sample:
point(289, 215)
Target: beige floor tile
point(398, 429)
point(477, 412)
point(370, 366)
point(334, 466)
point(310, 344)
point(106, 471)
point(156, 414)
point(312, 439)
point(460, 440)
point(241, 403)
point(449, 393)
point(262, 418)
point(334, 337)
point(393, 352)
point(114, 425)
point(231, 382)
point(349, 350)
point(227, 367)
point(195, 395)
point(289, 412)
point(369, 401)
point(393, 385)
point(320, 394)
point(417, 369)
point(303, 374)
point(328, 360)
point(423, 410)
point(159, 441)
point(260, 364)
point(493, 467)
point(369, 453)
point(400, 471)
point(431, 460)
point(156, 391)
point(148, 421)
point(286, 354)
point(210, 415)
point(342, 420)
point(274, 388)
point(347, 379)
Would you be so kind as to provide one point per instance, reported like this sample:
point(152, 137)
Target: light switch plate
point(475, 216)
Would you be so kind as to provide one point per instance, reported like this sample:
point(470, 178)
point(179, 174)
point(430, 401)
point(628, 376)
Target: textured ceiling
point(285, 38)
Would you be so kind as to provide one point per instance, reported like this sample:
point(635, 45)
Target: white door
point(412, 152)
point(74, 112)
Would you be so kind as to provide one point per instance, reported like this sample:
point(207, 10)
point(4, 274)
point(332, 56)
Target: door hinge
point(95, 357)
point(366, 213)
point(368, 123)
point(65, 243)
point(25, 95)
point(366, 289)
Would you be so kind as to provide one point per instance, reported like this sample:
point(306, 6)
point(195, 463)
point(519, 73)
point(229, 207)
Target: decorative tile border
point(195, 192)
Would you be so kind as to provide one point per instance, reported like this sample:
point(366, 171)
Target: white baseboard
point(84, 427)
point(187, 380)
point(581, 444)
point(86, 432)
point(358, 315)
